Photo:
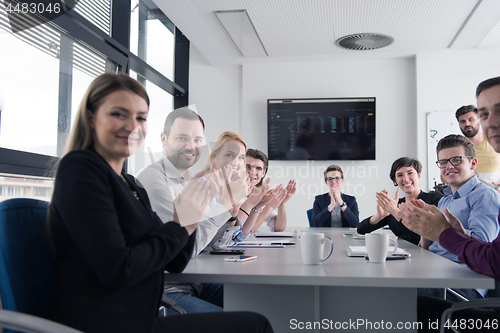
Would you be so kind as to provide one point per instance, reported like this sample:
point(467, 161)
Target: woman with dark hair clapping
point(405, 173)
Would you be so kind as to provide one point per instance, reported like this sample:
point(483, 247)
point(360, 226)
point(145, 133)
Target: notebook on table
point(360, 251)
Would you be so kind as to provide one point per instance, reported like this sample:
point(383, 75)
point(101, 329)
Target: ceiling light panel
point(492, 40)
point(481, 22)
point(240, 28)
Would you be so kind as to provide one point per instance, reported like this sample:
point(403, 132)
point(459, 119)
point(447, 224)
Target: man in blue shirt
point(475, 204)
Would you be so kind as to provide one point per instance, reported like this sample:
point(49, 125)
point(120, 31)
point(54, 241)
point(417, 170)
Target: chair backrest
point(27, 264)
point(494, 292)
point(310, 217)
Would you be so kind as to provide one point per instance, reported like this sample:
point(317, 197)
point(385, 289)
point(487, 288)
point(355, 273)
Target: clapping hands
point(234, 186)
point(290, 191)
point(280, 195)
point(388, 204)
point(191, 204)
point(427, 220)
point(260, 196)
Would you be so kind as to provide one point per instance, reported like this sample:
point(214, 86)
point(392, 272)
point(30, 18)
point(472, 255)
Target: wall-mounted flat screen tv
point(321, 129)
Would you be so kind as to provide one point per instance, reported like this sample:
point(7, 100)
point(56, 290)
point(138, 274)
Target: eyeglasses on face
point(455, 160)
point(331, 179)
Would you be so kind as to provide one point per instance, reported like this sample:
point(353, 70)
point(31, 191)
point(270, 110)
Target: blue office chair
point(27, 267)
point(310, 217)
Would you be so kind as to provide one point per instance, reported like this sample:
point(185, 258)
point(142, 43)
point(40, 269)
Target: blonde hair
point(223, 138)
point(81, 136)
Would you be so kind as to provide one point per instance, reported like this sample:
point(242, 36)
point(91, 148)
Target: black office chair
point(169, 303)
point(493, 300)
point(494, 292)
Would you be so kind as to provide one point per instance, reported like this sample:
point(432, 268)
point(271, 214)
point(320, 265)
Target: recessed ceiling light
point(365, 41)
point(482, 19)
point(242, 31)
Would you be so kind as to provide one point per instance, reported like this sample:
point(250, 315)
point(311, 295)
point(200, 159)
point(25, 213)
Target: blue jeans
point(470, 294)
point(209, 300)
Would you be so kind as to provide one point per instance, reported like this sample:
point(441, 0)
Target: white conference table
point(339, 294)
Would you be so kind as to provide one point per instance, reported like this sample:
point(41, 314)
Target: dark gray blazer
point(321, 217)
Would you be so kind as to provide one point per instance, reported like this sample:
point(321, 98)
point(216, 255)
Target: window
point(12, 186)
point(97, 12)
point(152, 37)
point(39, 105)
point(48, 67)
point(161, 105)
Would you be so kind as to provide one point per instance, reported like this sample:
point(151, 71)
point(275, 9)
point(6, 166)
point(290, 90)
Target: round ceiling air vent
point(366, 41)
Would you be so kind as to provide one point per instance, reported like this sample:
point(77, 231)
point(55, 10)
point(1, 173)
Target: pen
point(283, 243)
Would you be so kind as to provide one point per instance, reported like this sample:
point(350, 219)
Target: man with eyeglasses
point(429, 222)
point(472, 202)
point(488, 165)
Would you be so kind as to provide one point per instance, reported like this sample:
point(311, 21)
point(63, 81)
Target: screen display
point(321, 129)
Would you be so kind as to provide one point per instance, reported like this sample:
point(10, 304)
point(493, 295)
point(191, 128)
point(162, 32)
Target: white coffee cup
point(313, 246)
point(377, 246)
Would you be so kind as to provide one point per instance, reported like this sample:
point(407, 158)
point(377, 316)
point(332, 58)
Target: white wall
point(216, 92)
point(406, 89)
point(230, 96)
point(446, 81)
point(392, 82)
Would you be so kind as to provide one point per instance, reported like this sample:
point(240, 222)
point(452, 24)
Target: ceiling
point(306, 30)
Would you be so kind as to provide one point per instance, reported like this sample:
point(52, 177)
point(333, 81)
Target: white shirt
point(164, 183)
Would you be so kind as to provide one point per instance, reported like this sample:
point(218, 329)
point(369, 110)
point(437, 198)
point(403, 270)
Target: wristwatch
point(258, 210)
point(232, 219)
point(343, 204)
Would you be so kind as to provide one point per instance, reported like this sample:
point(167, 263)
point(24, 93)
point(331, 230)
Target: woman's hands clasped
point(388, 204)
point(335, 198)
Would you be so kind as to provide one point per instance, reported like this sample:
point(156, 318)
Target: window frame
point(117, 49)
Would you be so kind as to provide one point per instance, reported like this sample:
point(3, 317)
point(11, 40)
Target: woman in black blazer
point(111, 248)
point(335, 209)
point(405, 173)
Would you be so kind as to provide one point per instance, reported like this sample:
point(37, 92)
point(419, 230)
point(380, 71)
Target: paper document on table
point(253, 243)
point(360, 251)
point(274, 234)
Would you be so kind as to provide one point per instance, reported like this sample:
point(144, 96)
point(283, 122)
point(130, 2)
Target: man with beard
point(488, 166)
point(164, 180)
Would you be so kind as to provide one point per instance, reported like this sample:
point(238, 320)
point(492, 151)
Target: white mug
point(377, 246)
point(312, 246)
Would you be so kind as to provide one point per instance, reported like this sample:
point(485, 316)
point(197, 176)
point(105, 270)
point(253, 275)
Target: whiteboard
point(439, 125)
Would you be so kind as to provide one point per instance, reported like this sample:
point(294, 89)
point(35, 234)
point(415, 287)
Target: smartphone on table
point(240, 258)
